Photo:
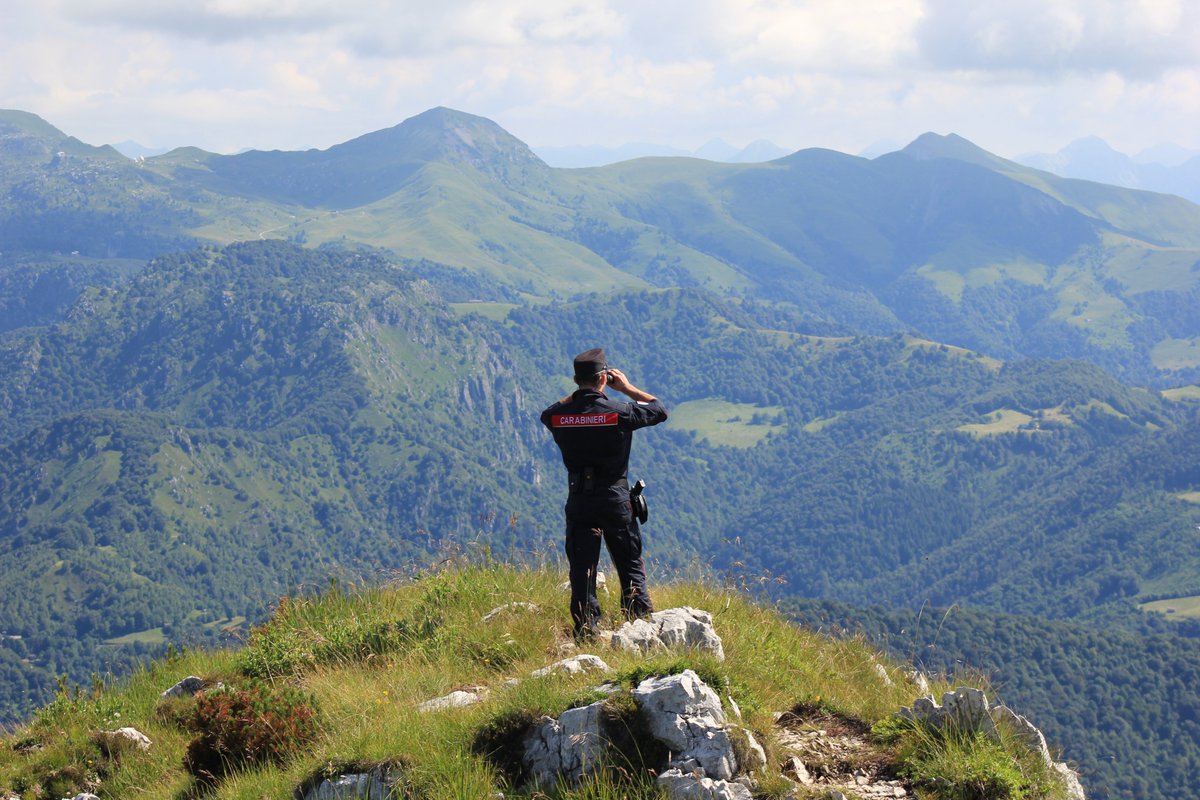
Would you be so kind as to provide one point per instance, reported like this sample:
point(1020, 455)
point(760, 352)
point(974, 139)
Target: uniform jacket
point(595, 433)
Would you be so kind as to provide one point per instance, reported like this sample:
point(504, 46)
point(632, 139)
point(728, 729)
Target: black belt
point(586, 480)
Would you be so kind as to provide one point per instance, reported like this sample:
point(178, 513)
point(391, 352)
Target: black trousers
point(624, 542)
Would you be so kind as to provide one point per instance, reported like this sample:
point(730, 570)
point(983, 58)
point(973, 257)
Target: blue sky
point(1014, 76)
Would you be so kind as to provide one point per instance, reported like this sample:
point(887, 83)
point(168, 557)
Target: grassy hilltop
point(333, 684)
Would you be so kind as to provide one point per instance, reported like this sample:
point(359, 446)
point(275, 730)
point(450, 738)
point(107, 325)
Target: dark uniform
point(594, 434)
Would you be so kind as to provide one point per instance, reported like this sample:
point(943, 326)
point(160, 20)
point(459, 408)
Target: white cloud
point(1139, 39)
point(826, 37)
point(375, 28)
point(301, 73)
point(209, 20)
point(869, 35)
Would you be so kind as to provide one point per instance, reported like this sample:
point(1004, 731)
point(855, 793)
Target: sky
point(1013, 76)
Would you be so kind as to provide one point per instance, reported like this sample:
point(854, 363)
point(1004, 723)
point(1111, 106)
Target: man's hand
point(618, 381)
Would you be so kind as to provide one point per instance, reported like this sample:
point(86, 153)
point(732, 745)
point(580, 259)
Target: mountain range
point(935, 377)
point(939, 239)
point(715, 150)
point(1172, 170)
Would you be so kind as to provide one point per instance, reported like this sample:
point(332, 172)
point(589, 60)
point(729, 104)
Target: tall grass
point(369, 656)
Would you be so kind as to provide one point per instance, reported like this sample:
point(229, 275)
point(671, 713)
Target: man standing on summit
point(594, 434)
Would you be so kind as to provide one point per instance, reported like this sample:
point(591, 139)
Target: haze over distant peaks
point(1167, 168)
point(1168, 155)
point(132, 149)
point(575, 156)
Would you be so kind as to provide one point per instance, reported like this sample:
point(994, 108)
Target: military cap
point(590, 363)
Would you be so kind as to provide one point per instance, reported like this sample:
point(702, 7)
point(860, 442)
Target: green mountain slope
point(232, 424)
point(377, 165)
point(58, 196)
point(941, 239)
point(1017, 494)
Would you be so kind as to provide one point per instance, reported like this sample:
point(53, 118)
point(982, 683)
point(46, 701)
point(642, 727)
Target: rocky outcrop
point(679, 712)
point(122, 740)
point(969, 709)
point(186, 687)
point(378, 783)
point(570, 746)
point(692, 786)
point(573, 666)
point(674, 628)
point(682, 712)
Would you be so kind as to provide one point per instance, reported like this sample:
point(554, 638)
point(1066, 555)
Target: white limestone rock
point(1023, 730)
point(570, 746)
point(186, 687)
point(969, 708)
point(1071, 780)
point(508, 608)
point(574, 666)
point(459, 698)
point(680, 785)
point(374, 785)
point(794, 768)
point(682, 712)
point(964, 707)
point(123, 740)
point(756, 757)
point(637, 636)
point(918, 679)
point(682, 627)
point(882, 672)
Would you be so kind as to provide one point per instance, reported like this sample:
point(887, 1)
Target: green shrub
point(278, 650)
point(246, 727)
point(953, 763)
point(176, 712)
point(494, 656)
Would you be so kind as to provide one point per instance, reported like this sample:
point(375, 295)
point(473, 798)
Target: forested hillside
point(185, 446)
point(1121, 704)
point(182, 450)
